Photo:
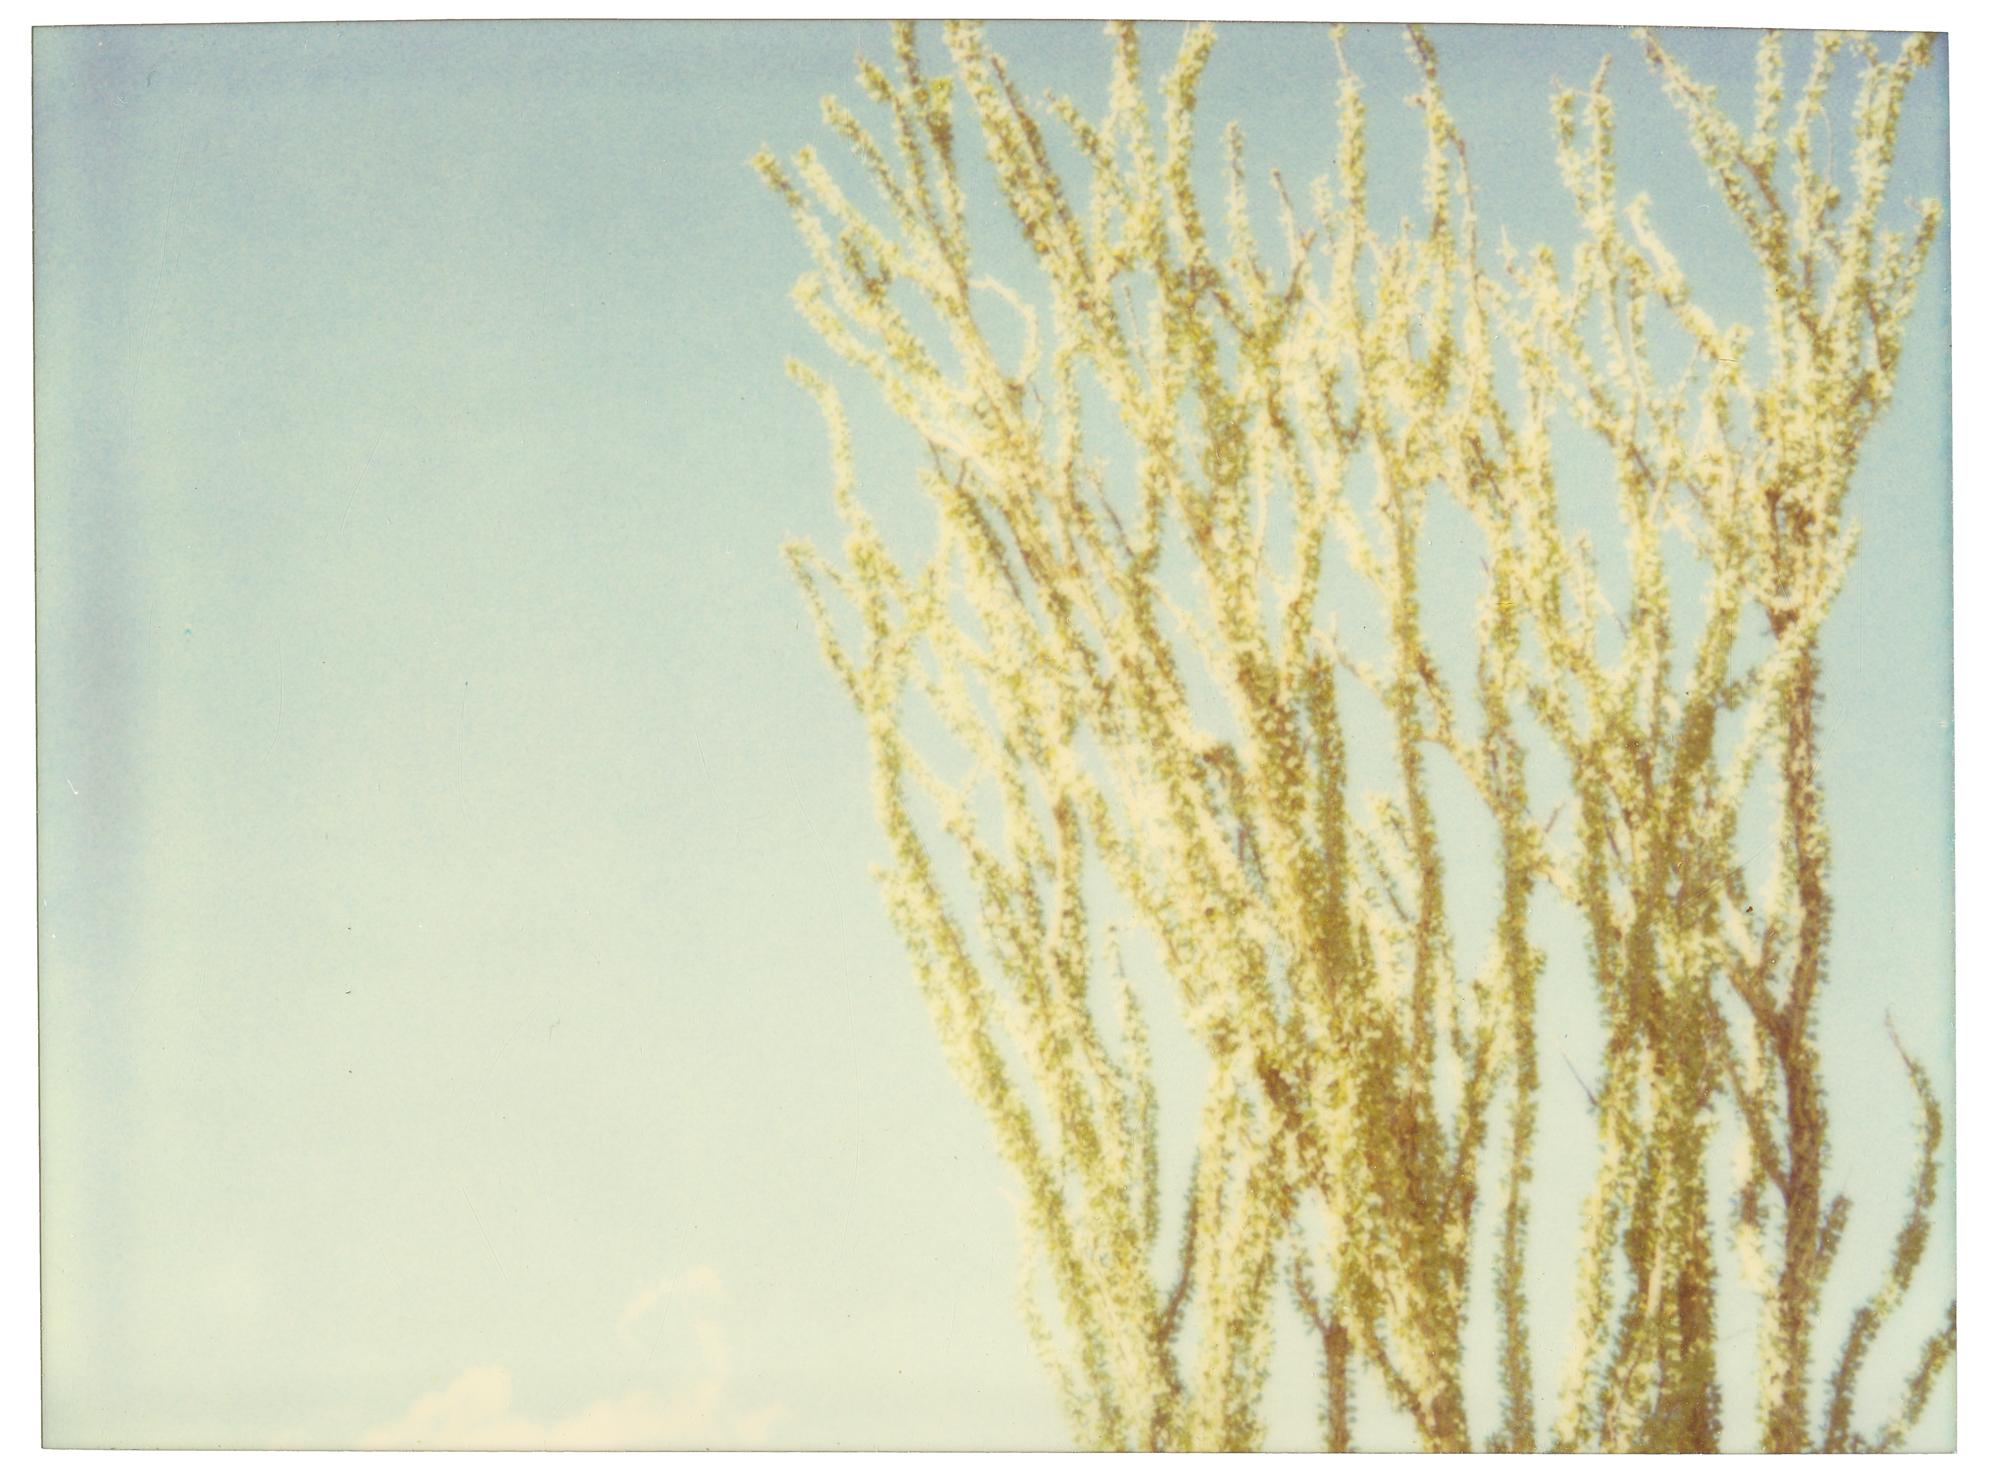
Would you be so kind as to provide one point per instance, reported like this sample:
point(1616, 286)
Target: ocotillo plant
point(1119, 701)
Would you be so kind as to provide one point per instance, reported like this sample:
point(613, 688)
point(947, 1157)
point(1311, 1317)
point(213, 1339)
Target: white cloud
point(476, 1410)
point(691, 1287)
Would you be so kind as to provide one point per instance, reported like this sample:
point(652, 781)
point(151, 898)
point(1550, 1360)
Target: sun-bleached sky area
point(467, 1016)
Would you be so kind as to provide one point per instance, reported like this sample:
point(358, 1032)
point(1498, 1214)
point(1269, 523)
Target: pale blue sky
point(455, 914)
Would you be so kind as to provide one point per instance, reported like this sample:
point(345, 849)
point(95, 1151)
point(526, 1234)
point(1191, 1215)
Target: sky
point(467, 1017)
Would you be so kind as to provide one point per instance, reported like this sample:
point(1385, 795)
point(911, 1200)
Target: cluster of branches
point(1364, 1087)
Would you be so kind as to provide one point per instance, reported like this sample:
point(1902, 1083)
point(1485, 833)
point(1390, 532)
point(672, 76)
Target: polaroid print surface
point(1154, 737)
